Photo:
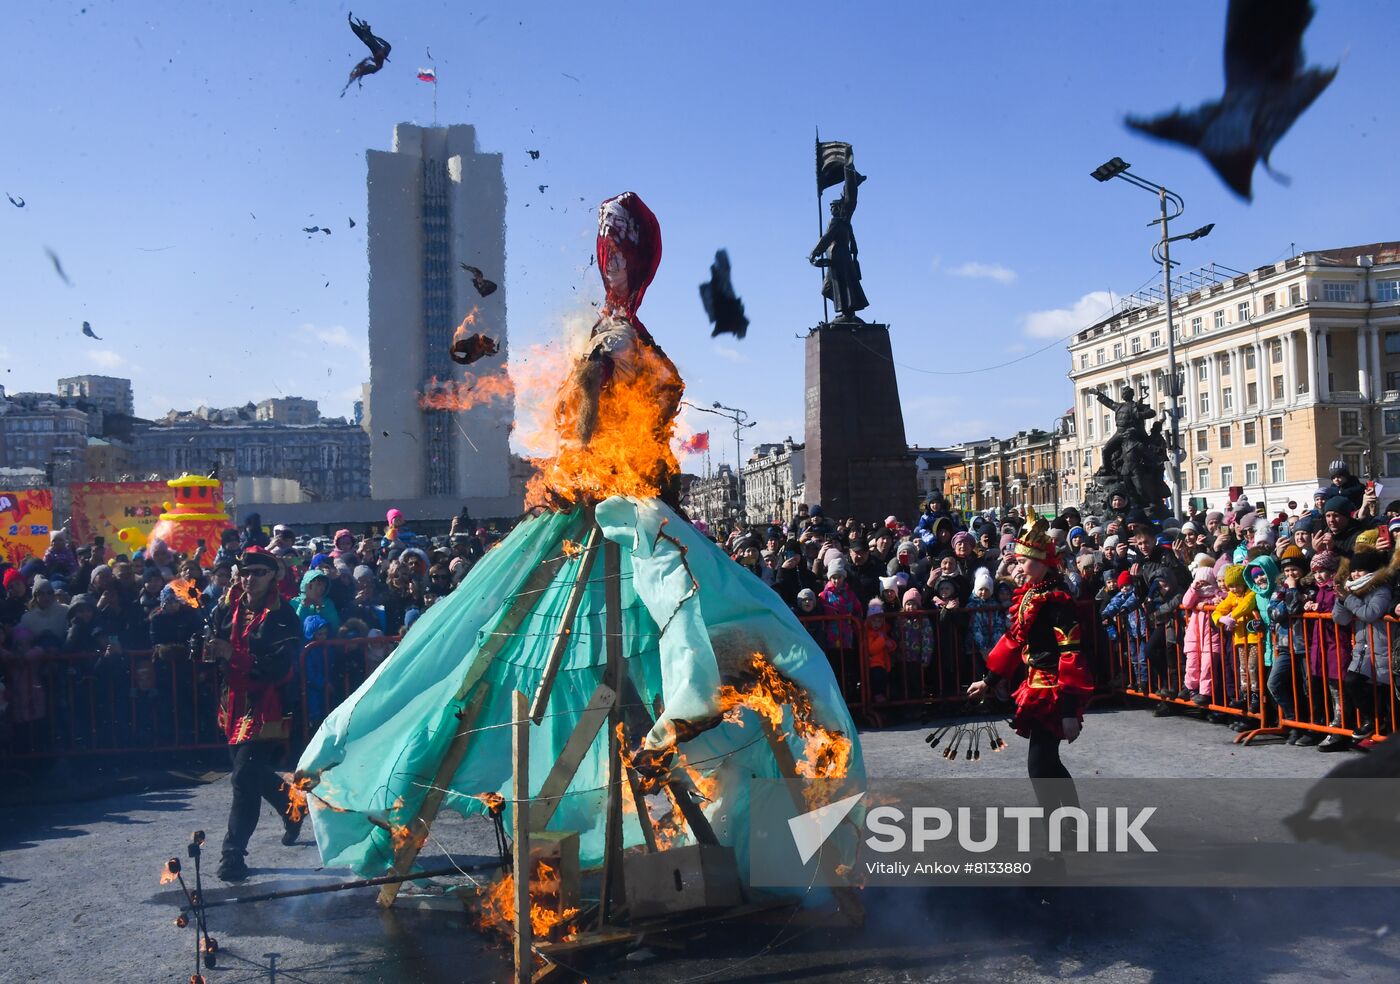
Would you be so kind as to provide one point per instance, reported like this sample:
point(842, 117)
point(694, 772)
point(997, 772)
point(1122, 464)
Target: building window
point(1249, 358)
point(1083, 360)
point(1098, 357)
point(1392, 462)
point(1338, 290)
point(1089, 428)
point(1251, 473)
point(1117, 351)
point(1275, 428)
point(1268, 302)
point(1224, 365)
point(1250, 432)
point(1276, 471)
point(1195, 326)
point(1390, 423)
point(1392, 381)
point(1351, 424)
point(1295, 293)
point(1203, 370)
point(1242, 311)
point(1392, 342)
point(1154, 339)
point(1353, 463)
point(1205, 403)
point(1088, 458)
point(1227, 475)
point(1202, 478)
point(1388, 290)
point(1277, 388)
point(1202, 440)
point(1225, 438)
point(1251, 394)
point(1136, 346)
point(1227, 399)
point(1276, 350)
point(1219, 318)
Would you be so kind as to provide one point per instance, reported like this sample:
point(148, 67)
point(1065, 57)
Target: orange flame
point(497, 910)
point(629, 450)
point(403, 837)
point(825, 754)
point(186, 592)
point(170, 871)
point(462, 394)
point(570, 548)
point(299, 787)
point(494, 801)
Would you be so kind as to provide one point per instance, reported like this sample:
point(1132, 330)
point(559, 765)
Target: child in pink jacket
point(1202, 643)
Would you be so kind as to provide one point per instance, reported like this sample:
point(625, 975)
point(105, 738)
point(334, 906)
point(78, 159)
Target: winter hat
point(906, 546)
point(409, 617)
point(40, 583)
point(11, 576)
point(1234, 577)
point(1124, 579)
point(891, 522)
point(79, 601)
point(963, 537)
point(834, 566)
point(1338, 469)
point(1006, 540)
point(1367, 561)
point(364, 570)
point(1076, 531)
point(313, 624)
point(876, 607)
point(1216, 515)
point(913, 595)
point(1190, 527)
point(983, 579)
point(1203, 560)
point(1291, 556)
point(1325, 561)
point(1059, 535)
point(807, 598)
point(1203, 575)
point(1367, 540)
point(1304, 524)
point(890, 583)
point(1338, 504)
point(1111, 541)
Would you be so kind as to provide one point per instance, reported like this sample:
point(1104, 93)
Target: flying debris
point(19, 202)
point(542, 188)
point(1266, 89)
point(378, 53)
point(534, 154)
point(87, 330)
point(57, 266)
point(724, 309)
point(483, 286)
point(314, 229)
point(352, 223)
point(467, 349)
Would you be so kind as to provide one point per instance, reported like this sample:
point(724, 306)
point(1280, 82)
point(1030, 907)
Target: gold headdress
point(1035, 542)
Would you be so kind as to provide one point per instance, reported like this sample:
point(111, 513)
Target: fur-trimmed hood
point(1387, 573)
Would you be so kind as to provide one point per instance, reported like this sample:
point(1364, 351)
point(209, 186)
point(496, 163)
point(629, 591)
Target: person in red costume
point(1043, 641)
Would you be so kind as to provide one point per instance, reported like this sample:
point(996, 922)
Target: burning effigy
point(662, 678)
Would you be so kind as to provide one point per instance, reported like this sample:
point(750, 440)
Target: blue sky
point(170, 153)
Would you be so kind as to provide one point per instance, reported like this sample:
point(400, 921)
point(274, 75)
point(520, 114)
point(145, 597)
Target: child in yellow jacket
point(1237, 614)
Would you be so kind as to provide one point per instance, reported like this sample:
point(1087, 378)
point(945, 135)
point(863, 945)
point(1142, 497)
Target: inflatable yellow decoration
point(197, 515)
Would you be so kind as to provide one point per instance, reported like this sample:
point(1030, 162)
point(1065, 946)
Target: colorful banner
point(25, 520)
point(108, 509)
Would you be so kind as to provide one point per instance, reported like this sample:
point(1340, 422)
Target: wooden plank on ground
point(520, 833)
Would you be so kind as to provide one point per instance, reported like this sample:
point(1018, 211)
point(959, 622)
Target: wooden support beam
point(522, 602)
point(847, 899)
point(566, 625)
point(520, 833)
point(600, 707)
point(612, 676)
point(643, 812)
point(407, 852)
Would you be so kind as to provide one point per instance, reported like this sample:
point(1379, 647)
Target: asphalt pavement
point(80, 899)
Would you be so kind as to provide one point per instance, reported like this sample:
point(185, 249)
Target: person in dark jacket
point(252, 534)
point(258, 636)
point(1342, 526)
point(1158, 564)
point(1345, 484)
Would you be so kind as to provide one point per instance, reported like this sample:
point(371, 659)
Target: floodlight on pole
point(741, 424)
point(1161, 252)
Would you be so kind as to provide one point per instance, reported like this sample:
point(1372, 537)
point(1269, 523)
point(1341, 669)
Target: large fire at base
point(497, 906)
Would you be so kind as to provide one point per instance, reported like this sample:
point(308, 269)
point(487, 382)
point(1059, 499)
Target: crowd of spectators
point(1191, 609)
point(101, 649)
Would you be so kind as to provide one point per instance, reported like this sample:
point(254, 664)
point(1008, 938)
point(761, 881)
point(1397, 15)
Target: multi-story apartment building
point(1279, 371)
point(713, 500)
point(1018, 473)
point(773, 479)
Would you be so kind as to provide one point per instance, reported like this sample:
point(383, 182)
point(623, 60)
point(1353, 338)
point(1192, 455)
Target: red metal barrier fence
point(1306, 674)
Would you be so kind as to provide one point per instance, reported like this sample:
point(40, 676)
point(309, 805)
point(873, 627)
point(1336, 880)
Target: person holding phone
point(256, 636)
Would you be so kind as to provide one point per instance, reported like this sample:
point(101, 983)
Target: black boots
point(232, 867)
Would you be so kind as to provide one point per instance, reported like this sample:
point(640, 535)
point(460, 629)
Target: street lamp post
point(1161, 252)
point(741, 423)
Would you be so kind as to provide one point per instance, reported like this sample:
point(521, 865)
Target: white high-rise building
point(435, 202)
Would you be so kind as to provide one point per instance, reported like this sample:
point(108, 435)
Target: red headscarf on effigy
point(629, 251)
